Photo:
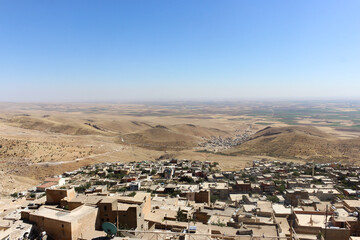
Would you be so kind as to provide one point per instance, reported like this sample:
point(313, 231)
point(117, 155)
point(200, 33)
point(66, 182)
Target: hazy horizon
point(136, 51)
point(165, 102)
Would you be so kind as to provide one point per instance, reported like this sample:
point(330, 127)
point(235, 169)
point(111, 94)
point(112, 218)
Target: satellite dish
point(109, 228)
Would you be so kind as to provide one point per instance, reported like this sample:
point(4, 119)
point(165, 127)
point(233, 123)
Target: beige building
point(54, 196)
point(125, 212)
point(63, 224)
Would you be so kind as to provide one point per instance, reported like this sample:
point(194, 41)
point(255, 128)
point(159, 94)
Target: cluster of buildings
point(179, 199)
point(221, 143)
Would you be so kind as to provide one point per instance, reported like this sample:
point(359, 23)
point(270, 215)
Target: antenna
point(326, 218)
point(110, 229)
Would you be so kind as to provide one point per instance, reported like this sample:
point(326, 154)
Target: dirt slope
point(159, 138)
point(173, 137)
point(197, 131)
point(56, 125)
point(299, 142)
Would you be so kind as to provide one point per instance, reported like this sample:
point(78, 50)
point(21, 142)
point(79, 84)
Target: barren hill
point(299, 142)
point(173, 137)
point(64, 126)
point(33, 151)
point(159, 138)
point(198, 131)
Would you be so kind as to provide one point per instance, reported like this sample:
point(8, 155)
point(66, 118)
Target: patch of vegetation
point(317, 182)
point(131, 194)
point(282, 188)
point(175, 193)
point(252, 179)
point(82, 188)
point(200, 180)
point(180, 217)
point(238, 119)
point(214, 198)
point(121, 189)
point(187, 179)
point(288, 121)
point(273, 199)
point(14, 195)
point(263, 123)
point(117, 176)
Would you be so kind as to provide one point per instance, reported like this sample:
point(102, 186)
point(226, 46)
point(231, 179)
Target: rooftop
point(311, 220)
point(63, 215)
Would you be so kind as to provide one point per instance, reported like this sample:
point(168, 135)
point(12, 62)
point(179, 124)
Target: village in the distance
point(184, 199)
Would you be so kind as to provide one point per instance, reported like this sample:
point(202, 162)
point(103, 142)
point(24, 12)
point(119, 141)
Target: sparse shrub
point(187, 179)
point(131, 194)
point(214, 198)
point(82, 188)
point(273, 199)
point(14, 195)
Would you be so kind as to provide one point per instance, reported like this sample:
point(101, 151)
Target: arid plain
point(40, 140)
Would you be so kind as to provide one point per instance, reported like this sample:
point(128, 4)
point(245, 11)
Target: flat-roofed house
point(43, 187)
point(63, 224)
point(50, 183)
point(125, 212)
point(242, 187)
point(54, 196)
point(60, 181)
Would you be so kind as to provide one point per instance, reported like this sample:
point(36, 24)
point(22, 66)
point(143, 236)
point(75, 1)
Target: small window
point(105, 208)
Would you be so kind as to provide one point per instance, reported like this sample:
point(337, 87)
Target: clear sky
point(179, 50)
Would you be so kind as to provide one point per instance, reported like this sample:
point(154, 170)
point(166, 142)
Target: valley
point(42, 140)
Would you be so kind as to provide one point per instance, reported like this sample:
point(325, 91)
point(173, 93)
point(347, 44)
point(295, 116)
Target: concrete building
point(125, 212)
point(242, 187)
point(60, 181)
point(54, 196)
point(63, 224)
point(43, 187)
point(268, 187)
point(202, 197)
point(292, 197)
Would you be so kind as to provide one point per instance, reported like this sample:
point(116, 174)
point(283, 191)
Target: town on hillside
point(184, 199)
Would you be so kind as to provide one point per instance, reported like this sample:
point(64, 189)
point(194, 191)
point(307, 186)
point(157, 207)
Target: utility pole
point(117, 222)
point(313, 169)
point(326, 216)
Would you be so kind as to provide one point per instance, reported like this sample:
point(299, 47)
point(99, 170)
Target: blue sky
point(179, 50)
